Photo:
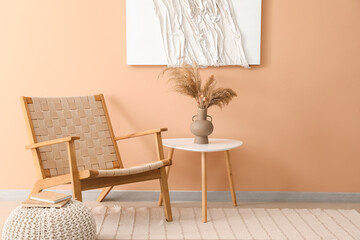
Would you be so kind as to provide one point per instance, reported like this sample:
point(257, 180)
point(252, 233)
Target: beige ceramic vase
point(201, 127)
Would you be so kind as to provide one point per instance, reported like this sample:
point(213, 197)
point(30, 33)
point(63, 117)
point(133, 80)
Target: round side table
point(214, 145)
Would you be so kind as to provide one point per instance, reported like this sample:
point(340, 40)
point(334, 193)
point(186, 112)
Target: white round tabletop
point(214, 145)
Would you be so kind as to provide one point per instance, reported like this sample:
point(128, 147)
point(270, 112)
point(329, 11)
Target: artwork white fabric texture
point(144, 41)
point(200, 30)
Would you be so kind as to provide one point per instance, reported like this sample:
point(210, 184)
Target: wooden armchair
point(72, 142)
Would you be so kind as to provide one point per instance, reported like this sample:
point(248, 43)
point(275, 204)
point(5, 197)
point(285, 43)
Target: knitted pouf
point(72, 221)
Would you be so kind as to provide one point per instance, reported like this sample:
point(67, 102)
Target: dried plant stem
point(186, 80)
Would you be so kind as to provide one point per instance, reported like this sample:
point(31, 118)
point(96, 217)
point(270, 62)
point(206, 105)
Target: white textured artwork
point(202, 30)
point(212, 32)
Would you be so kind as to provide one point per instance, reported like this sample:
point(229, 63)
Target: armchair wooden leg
point(74, 173)
point(76, 191)
point(160, 201)
point(165, 195)
point(170, 155)
point(105, 191)
point(35, 190)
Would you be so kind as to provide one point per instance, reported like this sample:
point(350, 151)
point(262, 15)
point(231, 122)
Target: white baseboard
point(214, 196)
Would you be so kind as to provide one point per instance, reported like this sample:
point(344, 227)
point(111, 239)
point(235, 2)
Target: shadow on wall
point(121, 110)
point(142, 145)
point(266, 24)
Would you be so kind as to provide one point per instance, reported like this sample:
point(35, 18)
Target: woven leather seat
point(130, 170)
point(72, 141)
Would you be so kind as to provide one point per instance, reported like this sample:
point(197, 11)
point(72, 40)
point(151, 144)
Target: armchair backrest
point(83, 116)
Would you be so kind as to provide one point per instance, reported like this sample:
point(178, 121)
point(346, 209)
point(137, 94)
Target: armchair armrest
point(158, 140)
point(138, 134)
point(52, 142)
point(74, 172)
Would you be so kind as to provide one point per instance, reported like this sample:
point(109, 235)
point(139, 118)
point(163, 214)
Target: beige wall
point(298, 113)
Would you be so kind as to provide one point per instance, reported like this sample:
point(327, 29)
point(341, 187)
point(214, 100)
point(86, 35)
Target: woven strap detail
point(72, 116)
point(132, 170)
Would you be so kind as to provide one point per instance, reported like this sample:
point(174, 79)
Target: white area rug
point(116, 222)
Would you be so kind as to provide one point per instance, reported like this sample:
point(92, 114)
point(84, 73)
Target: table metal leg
point(170, 155)
point(231, 182)
point(203, 188)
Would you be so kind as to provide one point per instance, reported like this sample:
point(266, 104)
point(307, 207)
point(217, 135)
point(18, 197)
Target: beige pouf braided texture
point(72, 221)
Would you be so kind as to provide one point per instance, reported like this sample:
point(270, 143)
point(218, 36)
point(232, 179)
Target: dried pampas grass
point(186, 80)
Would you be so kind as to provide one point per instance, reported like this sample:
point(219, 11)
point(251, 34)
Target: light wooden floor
point(7, 206)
